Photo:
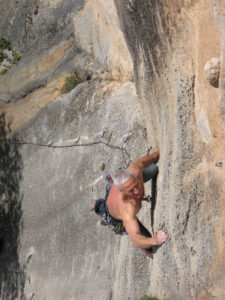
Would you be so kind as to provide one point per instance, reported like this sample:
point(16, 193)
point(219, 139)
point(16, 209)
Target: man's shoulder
point(129, 209)
point(114, 192)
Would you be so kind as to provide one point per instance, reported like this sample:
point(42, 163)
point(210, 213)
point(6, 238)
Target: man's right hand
point(160, 237)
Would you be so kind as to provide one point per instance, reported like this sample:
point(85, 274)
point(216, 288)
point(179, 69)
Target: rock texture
point(185, 121)
point(51, 246)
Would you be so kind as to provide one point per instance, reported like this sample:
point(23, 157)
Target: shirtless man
point(124, 201)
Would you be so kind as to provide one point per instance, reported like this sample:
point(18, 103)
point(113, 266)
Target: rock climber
point(124, 200)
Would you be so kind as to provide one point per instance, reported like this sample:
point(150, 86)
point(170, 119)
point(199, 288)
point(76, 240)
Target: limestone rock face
point(185, 117)
point(97, 31)
point(141, 65)
point(56, 37)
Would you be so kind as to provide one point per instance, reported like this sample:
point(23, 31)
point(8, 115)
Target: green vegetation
point(109, 137)
point(111, 79)
point(88, 76)
point(149, 298)
point(5, 44)
point(16, 56)
point(29, 20)
point(102, 167)
point(2, 56)
point(70, 83)
point(3, 71)
point(72, 80)
point(132, 79)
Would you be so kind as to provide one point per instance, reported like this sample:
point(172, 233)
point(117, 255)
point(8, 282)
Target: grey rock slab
point(8, 53)
point(73, 256)
point(6, 63)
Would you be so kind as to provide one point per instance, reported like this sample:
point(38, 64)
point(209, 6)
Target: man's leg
point(150, 172)
point(146, 233)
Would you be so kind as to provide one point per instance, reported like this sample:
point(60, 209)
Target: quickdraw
point(147, 198)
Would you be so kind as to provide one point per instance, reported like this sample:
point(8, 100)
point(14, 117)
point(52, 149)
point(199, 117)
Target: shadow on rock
point(12, 275)
point(153, 202)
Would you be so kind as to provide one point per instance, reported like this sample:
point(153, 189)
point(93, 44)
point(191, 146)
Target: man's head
point(127, 182)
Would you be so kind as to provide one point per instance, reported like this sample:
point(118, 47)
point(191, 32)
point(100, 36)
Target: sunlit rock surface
point(145, 62)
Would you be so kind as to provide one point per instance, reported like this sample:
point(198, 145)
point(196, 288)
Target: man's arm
point(147, 160)
point(132, 228)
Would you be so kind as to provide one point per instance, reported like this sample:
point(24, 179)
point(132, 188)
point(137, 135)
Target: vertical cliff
point(146, 78)
point(170, 44)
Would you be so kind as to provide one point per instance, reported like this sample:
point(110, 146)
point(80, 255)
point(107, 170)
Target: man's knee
point(150, 172)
